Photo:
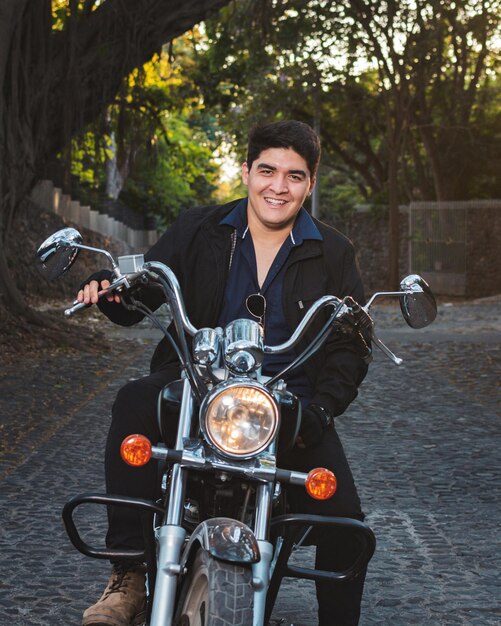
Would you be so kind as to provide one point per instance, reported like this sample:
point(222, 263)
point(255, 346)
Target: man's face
point(278, 183)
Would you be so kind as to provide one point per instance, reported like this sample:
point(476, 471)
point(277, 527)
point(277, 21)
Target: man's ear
point(312, 184)
point(245, 173)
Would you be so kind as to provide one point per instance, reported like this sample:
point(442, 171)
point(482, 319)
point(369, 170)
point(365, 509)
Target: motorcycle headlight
point(240, 418)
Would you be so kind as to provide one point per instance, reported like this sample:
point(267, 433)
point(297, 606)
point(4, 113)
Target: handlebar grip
point(77, 306)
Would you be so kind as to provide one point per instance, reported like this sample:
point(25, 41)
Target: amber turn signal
point(321, 483)
point(136, 450)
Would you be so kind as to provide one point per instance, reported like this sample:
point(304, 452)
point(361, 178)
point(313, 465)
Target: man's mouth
point(276, 201)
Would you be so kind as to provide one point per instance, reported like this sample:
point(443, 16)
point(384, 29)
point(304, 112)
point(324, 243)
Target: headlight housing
point(239, 418)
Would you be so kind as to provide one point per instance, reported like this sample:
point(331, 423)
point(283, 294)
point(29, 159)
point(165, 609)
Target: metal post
point(315, 197)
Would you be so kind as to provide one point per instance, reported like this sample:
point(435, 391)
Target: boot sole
point(137, 621)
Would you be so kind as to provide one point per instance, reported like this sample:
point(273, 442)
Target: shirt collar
point(304, 226)
point(237, 218)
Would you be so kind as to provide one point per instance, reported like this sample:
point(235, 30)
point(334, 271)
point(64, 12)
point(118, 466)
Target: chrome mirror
point(58, 253)
point(418, 304)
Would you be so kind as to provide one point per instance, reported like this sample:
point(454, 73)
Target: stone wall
point(368, 230)
point(483, 251)
point(32, 225)
point(98, 219)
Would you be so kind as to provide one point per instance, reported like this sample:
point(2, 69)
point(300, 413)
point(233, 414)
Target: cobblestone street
point(424, 444)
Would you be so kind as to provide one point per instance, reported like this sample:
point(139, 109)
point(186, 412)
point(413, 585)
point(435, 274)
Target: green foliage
point(62, 10)
point(157, 139)
point(175, 172)
point(338, 195)
point(89, 154)
point(414, 82)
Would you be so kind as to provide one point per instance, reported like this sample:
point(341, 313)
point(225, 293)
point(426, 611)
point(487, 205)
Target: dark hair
point(286, 134)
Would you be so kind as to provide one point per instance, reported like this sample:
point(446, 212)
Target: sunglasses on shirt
point(256, 305)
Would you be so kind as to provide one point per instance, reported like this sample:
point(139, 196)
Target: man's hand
point(90, 288)
point(315, 419)
point(89, 293)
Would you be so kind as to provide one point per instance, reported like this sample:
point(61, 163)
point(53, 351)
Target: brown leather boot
point(123, 601)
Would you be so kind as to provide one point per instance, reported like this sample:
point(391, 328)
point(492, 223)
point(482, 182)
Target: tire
point(216, 593)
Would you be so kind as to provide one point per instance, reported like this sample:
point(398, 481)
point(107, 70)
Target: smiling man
point(278, 185)
point(264, 248)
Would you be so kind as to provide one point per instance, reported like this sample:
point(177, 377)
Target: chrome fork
point(171, 535)
point(261, 570)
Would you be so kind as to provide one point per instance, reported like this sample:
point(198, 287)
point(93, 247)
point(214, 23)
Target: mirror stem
point(407, 292)
point(114, 266)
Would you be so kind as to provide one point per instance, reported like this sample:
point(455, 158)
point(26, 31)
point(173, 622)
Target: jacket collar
point(215, 230)
point(304, 227)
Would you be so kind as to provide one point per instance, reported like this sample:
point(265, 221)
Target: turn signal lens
point(321, 484)
point(136, 450)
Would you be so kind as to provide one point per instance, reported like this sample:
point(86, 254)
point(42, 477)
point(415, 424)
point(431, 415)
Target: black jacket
point(198, 250)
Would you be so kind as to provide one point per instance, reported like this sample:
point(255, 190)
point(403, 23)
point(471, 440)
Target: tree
point(156, 140)
point(61, 64)
point(308, 57)
point(395, 83)
point(453, 88)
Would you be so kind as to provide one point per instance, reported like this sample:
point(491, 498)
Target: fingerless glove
point(314, 421)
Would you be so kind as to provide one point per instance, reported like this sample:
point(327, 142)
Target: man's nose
point(279, 184)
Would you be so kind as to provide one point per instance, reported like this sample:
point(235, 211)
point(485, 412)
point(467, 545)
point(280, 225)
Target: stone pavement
point(423, 439)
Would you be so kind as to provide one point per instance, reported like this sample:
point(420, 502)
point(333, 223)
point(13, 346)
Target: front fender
point(225, 539)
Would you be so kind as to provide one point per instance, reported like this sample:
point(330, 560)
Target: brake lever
point(397, 360)
point(365, 322)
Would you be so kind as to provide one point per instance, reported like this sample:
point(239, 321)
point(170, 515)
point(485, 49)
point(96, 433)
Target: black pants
point(135, 411)
point(338, 602)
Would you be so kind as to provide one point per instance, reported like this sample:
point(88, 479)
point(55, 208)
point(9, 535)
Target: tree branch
point(111, 41)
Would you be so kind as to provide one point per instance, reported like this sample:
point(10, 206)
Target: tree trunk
point(11, 297)
point(113, 40)
point(393, 220)
point(54, 82)
point(115, 176)
point(432, 153)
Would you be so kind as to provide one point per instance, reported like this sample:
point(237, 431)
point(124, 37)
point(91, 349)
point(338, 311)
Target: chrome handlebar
point(303, 325)
point(154, 267)
point(171, 278)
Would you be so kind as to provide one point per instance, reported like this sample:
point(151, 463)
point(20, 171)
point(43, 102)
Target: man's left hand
point(315, 419)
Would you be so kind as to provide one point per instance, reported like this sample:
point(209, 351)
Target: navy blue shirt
point(242, 282)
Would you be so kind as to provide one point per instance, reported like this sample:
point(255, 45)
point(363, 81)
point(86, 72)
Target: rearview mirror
point(419, 308)
point(58, 253)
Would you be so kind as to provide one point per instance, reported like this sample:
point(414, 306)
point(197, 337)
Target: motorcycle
point(218, 543)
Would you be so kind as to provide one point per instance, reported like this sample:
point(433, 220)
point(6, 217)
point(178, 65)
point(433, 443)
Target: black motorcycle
point(218, 543)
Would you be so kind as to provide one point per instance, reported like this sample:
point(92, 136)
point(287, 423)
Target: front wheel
point(216, 593)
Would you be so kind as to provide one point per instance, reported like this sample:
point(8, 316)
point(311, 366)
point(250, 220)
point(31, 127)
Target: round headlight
point(240, 418)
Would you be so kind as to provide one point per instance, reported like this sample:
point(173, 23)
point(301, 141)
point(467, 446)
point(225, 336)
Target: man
point(264, 244)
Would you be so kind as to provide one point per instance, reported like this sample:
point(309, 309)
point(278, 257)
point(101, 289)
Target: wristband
point(323, 413)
